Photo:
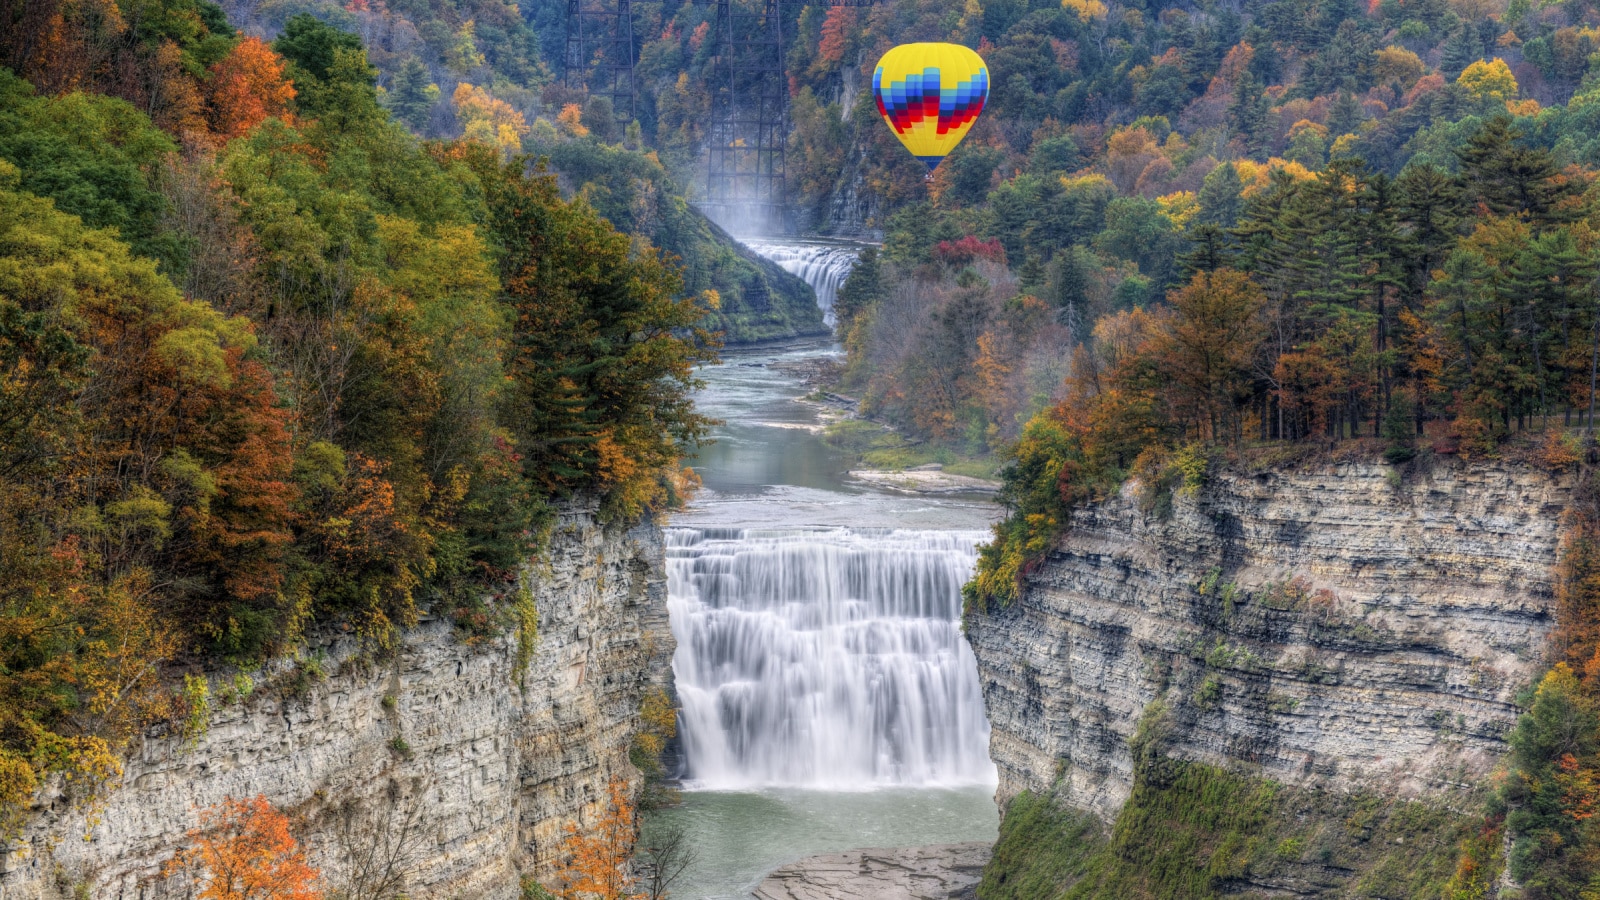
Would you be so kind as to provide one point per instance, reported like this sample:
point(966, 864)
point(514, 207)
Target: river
point(828, 698)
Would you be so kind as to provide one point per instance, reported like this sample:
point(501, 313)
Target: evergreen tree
point(1221, 197)
point(1346, 115)
point(1262, 236)
point(333, 80)
point(1548, 283)
point(413, 95)
point(1429, 211)
point(1461, 50)
point(1249, 114)
point(1212, 250)
point(1031, 277)
point(1325, 229)
point(1381, 273)
point(1510, 179)
point(1070, 279)
point(313, 46)
point(861, 289)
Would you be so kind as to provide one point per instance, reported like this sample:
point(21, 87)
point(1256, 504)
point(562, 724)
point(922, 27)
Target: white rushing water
point(823, 266)
point(827, 658)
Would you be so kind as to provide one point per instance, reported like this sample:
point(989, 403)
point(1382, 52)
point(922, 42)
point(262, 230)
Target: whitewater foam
point(825, 658)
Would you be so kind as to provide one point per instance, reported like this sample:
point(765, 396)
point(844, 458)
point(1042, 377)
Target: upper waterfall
point(829, 658)
point(823, 266)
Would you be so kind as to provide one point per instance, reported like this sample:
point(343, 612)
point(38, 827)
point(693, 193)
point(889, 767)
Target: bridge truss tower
point(749, 129)
point(748, 134)
point(600, 53)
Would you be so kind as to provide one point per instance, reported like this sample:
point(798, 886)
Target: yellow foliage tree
point(1180, 207)
point(1086, 10)
point(463, 55)
point(1257, 176)
point(1489, 82)
point(1343, 145)
point(571, 119)
point(1398, 65)
point(489, 120)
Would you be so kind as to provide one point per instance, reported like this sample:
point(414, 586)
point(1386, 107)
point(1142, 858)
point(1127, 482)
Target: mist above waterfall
point(826, 658)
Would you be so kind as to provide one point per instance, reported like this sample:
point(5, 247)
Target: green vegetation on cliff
point(1194, 832)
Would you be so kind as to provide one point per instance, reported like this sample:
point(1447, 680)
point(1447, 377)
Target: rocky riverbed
point(940, 872)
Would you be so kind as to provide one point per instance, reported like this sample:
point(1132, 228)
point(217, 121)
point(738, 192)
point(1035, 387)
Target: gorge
point(413, 488)
point(1340, 645)
point(1354, 634)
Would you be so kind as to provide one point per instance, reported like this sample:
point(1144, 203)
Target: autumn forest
point(269, 363)
point(313, 313)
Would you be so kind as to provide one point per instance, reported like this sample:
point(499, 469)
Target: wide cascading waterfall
point(825, 658)
point(823, 266)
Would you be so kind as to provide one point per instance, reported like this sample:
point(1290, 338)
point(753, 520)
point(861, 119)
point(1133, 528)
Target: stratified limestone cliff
point(441, 734)
point(1340, 627)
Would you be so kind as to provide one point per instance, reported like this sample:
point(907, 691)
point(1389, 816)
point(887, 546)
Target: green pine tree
point(861, 289)
point(1249, 115)
point(1072, 271)
point(413, 95)
point(1031, 277)
point(1429, 209)
point(1461, 50)
point(1221, 197)
point(1212, 250)
point(1510, 179)
point(1346, 115)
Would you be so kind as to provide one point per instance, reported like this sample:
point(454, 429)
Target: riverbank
point(929, 478)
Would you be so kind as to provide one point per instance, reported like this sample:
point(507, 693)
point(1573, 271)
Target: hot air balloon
point(930, 94)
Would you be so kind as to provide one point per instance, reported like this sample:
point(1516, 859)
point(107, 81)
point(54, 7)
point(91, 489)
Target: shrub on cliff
point(1553, 791)
point(244, 850)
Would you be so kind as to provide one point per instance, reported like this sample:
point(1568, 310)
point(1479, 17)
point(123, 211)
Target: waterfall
point(823, 266)
point(825, 658)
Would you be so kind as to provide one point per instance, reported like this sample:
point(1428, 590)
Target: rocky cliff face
point(435, 757)
point(853, 212)
point(1339, 627)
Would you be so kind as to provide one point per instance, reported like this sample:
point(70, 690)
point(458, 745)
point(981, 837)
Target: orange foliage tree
point(596, 863)
point(243, 850)
point(836, 37)
point(1215, 329)
point(247, 87)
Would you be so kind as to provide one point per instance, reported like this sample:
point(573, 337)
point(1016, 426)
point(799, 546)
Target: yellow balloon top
point(930, 94)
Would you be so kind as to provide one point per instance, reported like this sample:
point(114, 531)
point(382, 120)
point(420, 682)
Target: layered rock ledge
point(1352, 626)
point(488, 771)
